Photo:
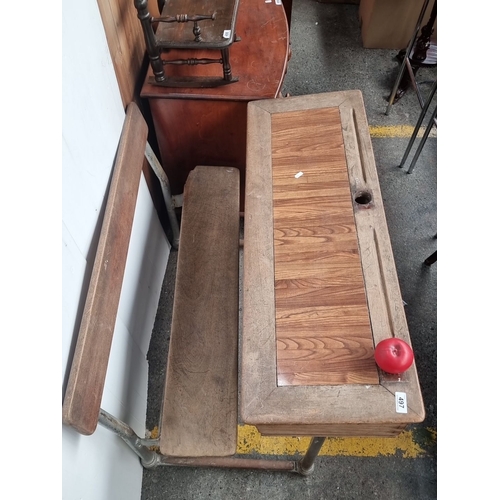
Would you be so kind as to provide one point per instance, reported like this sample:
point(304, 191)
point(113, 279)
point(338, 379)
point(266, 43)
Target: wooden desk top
point(322, 323)
point(320, 287)
point(259, 60)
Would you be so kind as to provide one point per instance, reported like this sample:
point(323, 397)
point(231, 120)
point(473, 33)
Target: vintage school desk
point(320, 288)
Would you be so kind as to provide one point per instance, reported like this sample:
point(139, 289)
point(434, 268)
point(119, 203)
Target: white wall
point(101, 466)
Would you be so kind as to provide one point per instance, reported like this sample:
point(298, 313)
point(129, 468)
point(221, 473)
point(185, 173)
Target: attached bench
point(200, 407)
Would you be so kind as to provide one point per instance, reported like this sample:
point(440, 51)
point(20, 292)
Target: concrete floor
point(327, 55)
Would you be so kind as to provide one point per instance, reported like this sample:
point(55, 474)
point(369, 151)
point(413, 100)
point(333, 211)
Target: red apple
point(393, 355)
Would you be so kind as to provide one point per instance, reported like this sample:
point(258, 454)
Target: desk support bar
point(167, 194)
point(232, 463)
point(306, 464)
point(151, 459)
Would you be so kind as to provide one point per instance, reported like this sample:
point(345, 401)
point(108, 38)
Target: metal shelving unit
point(420, 52)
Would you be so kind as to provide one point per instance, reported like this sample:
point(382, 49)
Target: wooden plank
point(83, 395)
point(328, 410)
point(258, 365)
point(200, 407)
point(126, 42)
point(347, 430)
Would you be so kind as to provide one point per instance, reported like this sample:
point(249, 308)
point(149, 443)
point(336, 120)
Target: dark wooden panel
point(192, 132)
point(346, 430)
point(207, 126)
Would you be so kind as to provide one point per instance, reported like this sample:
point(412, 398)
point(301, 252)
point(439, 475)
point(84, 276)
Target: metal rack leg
point(422, 141)
point(407, 55)
point(419, 123)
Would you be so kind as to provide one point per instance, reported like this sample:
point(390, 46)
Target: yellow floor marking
point(251, 441)
point(399, 131)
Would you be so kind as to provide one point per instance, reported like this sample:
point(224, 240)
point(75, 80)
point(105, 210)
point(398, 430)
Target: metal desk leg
point(306, 464)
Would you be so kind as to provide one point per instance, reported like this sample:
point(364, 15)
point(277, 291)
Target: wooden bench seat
point(200, 407)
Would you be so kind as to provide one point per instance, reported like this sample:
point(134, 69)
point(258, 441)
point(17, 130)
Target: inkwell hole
point(363, 198)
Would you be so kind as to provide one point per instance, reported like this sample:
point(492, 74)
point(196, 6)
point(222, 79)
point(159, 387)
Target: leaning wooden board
point(320, 288)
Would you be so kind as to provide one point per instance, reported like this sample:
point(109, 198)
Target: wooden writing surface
point(320, 287)
point(323, 328)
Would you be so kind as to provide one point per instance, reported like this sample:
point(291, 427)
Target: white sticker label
point(227, 34)
point(401, 406)
point(299, 174)
point(278, 2)
point(269, 1)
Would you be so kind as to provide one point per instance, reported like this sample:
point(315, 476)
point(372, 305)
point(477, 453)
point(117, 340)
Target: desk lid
point(320, 283)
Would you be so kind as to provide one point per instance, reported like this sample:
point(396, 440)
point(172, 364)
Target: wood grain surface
point(210, 133)
point(323, 328)
point(126, 43)
point(85, 387)
point(200, 407)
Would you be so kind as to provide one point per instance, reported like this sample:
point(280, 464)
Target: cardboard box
point(389, 24)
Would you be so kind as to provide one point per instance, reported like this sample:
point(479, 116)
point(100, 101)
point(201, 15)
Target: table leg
point(306, 464)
